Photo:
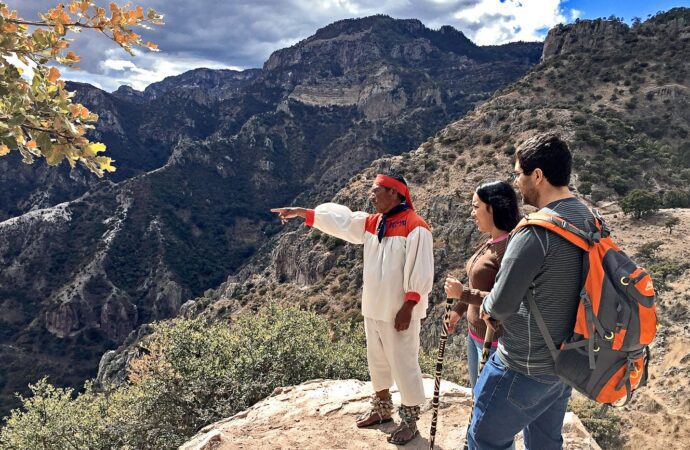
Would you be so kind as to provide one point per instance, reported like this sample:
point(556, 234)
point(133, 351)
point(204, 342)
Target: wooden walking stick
point(439, 369)
point(486, 349)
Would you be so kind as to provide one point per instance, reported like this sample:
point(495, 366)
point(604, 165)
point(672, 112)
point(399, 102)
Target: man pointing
point(398, 276)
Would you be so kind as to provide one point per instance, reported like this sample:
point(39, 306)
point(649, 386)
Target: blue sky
point(622, 8)
point(241, 34)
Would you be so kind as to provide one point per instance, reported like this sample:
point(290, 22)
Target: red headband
point(398, 186)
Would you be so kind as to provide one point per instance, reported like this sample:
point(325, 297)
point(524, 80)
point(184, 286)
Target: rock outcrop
point(320, 414)
point(585, 35)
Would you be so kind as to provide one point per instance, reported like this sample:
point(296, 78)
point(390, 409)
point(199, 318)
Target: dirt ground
point(659, 416)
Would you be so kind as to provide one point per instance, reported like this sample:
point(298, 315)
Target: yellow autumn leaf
point(53, 75)
point(31, 144)
point(94, 148)
point(105, 164)
point(75, 109)
point(4, 150)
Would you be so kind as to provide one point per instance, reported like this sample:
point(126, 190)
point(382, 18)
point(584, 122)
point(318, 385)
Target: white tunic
point(399, 268)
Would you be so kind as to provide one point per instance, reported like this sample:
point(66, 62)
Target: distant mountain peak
point(376, 38)
point(209, 80)
point(358, 25)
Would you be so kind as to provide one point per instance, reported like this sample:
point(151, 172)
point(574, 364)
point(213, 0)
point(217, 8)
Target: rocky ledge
point(320, 414)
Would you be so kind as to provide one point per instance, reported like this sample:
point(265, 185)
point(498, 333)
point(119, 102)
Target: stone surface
point(320, 414)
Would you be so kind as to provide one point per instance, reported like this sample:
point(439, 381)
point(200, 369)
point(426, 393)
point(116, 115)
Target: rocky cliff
point(321, 414)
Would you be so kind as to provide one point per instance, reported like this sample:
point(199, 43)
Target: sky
point(241, 34)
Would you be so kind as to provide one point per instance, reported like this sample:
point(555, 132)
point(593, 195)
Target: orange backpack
point(607, 356)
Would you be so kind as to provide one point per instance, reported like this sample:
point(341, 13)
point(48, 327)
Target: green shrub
point(648, 250)
point(585, 188)
point(664, 271)
point(191, 373)
point(53, 419)
point(676, 199)
point(670, 223)
point(640, 203)
point(598, 196)
point(619, 184)
point(606, 428)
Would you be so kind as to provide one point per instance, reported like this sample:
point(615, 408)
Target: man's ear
point(538, 175)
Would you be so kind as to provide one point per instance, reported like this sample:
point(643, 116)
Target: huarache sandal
point(404, 433)
point(372, 417)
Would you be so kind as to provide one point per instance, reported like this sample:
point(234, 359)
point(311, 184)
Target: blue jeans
point(507, 401)
point(474, 355)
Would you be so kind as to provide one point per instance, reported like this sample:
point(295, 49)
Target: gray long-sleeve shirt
point(541, 260)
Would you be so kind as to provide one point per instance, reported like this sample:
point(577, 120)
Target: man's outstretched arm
point(331, 218)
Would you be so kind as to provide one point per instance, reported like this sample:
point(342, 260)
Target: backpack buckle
point(605, 232)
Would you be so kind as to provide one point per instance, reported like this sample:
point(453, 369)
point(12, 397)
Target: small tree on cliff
point(37, 115)
point(670, 223)
point(640, 203)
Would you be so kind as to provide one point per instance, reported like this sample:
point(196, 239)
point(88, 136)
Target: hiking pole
point(439, 368)
point(486, 349)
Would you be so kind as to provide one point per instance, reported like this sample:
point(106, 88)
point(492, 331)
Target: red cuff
point(310, 218)
point(415, 297)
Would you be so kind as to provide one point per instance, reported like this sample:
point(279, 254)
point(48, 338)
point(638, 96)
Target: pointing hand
point(286, 214)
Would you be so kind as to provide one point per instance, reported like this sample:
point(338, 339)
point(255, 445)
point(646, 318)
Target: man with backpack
point(519, 389)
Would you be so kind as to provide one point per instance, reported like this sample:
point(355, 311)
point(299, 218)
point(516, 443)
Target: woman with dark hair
point(495, 211)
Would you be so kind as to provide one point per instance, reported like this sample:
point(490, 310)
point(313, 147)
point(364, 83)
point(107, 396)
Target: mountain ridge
point(200, 164)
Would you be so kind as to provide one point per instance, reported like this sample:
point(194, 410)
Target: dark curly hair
point(549, 153)
point(503, 201)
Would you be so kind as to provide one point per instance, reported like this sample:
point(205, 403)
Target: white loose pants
point(393, 356)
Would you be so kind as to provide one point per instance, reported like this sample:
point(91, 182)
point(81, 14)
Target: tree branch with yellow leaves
point(38, 117)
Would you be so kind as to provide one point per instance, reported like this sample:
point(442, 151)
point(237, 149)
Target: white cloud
point(243, 33)
point(498, 22)
point(142, 70)
point(117, 64)
point(27, 71)
point(575, 14)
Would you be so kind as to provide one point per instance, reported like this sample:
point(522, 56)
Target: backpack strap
point(561, 227)
point(540, 323)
